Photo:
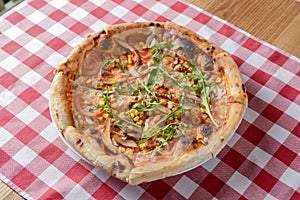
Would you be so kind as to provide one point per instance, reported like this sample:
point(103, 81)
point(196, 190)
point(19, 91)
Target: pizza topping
point(205, 90)
point(146, 95)
point(151, 96)
point(124, 142)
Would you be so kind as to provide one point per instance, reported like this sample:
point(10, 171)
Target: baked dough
point(116, 131)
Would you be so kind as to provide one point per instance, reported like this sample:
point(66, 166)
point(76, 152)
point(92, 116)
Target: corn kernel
point(105, 115)
point(132, 110)
point(132, 115)
point(143, 145)
point(141, 44)
point(136, 118)
point(136, 112)
point(122, 149)
point(163, 102)
point(81, 122)
point(89, 81)
point(140, 122)
point(100, 118)
point(114, 105)
point(203, 110)
point(101, 103)
point(129, 155)
point(129, 59)
point(86, 102)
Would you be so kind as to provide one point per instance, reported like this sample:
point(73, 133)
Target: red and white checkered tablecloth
point(261, 161)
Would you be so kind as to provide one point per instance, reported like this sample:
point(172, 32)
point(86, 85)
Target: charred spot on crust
point(187, 47)
point(188, 141)
point(211, 49)
point(108, 151)
point(156, 154)
point(117, 165)
point(97, 140)
point(103, 32)
point(221, 69)
point(93, 131)
point(75, 86)
point(243, 87)
point(79, 142)
point(209, 66)
point(206, 129)
point(96, 37)
point(151, 24)
point(158, 24)
point(106, 44)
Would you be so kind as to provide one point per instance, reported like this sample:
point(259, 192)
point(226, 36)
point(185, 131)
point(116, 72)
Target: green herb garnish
point(154, 132)
point(126, 122)
point(103, 65)
point(96, 107)
point(148, 90)
point(121, 66)
point(204, 87)
point(158, 49)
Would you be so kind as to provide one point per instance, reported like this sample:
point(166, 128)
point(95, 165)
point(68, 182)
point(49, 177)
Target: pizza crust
point(116, 165)
point(59, 104)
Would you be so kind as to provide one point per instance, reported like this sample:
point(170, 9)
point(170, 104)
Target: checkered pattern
point(261, 161)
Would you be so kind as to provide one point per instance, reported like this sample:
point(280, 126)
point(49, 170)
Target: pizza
point(147, 100)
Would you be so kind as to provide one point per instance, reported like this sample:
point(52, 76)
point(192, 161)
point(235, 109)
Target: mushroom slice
point(125, 143)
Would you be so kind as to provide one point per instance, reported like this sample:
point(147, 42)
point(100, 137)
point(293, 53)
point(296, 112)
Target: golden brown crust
point(235, 101)
point(59, 104)
point(117, 165)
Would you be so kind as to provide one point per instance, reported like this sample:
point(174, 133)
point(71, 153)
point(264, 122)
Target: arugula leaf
point(165, 72)
point(125, 121)
point(141, 108)
point(204, 88)
point(156, 55)
point(167, 45)
point(154, 132)
point(106, 104)
point(129, 90)
point(121, 66)
point(153, 78)
point(103, 65)
point(157, 50)
point(148, 90)
point(96, 107)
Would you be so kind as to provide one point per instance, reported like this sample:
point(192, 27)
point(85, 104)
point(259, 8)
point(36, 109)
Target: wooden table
point(276, 22)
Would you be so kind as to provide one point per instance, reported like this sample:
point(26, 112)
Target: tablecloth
point(261, 161)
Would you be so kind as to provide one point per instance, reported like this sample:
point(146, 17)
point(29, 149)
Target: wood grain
point(8, 194)
point(274, 21)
